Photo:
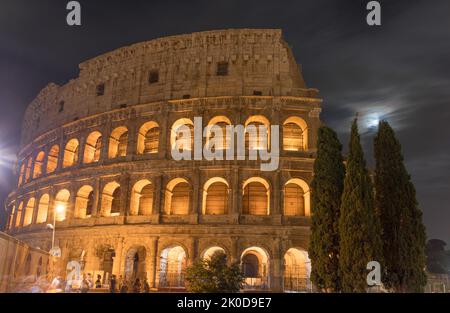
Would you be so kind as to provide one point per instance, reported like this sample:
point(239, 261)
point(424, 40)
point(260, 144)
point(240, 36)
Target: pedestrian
point(98, 282)
point(84, 288)
point(112, 284)
point(120, 281)
point(137, 286)
point(124, 288)
point(146, 286)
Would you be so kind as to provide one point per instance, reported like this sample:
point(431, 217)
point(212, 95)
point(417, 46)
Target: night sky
point(399, 71)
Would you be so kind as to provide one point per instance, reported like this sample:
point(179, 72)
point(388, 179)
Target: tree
point(214, 275)
point(359, 227)
point(327, 186)
point(403, 232)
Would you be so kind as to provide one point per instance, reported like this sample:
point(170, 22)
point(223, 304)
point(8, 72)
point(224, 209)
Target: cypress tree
point(359, 227)
point(403, 232)
point(327, 186)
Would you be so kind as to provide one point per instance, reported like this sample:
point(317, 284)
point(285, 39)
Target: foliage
point(214, 275)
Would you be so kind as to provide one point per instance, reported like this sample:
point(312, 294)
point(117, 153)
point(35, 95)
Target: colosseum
point(95, 161)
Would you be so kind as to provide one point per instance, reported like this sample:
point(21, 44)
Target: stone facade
point(99, 147)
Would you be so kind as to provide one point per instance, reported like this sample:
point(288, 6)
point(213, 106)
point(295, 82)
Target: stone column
point(118, 259)
point(124, 193)
point(96, 202)
point(133, 131)
point(194, 197)
point(150, 261)
point(235, 189)
point(158, 192)
point(164, 135)
point(35, 209)
point(275, 271)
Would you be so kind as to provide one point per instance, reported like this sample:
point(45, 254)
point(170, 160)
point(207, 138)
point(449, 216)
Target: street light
point(60, 208)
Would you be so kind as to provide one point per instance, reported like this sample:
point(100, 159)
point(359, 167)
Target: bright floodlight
point(60, 208)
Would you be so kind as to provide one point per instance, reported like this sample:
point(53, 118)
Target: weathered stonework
point(262, 80)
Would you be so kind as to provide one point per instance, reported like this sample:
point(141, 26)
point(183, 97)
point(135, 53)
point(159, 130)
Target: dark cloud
point(398, 71)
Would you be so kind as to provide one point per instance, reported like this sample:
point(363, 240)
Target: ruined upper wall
point(259, 62)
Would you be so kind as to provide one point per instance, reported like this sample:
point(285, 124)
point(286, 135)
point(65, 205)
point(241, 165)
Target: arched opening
point(148, 138)
point(142, 198)
point(21, 174)
point(27, 266)
point(111, 199)
point(28, 170)
point(257, 133)
point(84, 202)
point(211, 251)
point(135, 264)
point(107, 264)
point(61, 201)
point(177, 197)
point(295, 134)
point(29, 209)
point(52, 159)
point(44, 202)
point(297, 271)
point(297, 198)
point(255, 267)
point(39, 267)
point(215, 196)
point(172, 267)
point(118, 142)
point(38, 164)
point(256, 197)
point(93, 147)
point(71, 153)
point(19, 214)
point(224, 141)
point(180, 138)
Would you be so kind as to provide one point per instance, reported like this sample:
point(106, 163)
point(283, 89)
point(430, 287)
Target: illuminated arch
point(111, 202)
point(43, 205)
point(71, 153)
point(297, 271)
point(257, 120)
point(19, 214)
point(295, 134)
point(215, 196)
point(177, 197)
point(142, 198)
point(118, 142)
point(209, 252)
point(21, 174)
point(172, 267)
point(178, 137)
point(135, 263)
point(255, 268)
point(297, 197)
point(29, 209)
point(222, 122)
point(28, 169)
point(84, 202)
point(93, 147)
point(38, 164)
point(61, 199)
point(148, 138)
point(52, 159)
point(256, 196)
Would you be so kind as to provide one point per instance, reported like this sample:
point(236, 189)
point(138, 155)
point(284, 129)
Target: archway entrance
point(172, 267)
point(297, 271)
point(135, 264)
point(255, 266)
